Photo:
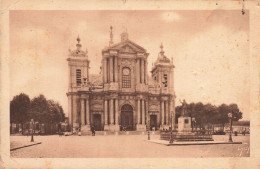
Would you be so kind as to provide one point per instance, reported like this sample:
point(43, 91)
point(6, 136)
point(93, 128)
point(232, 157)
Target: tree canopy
point(22, 109)
point(19, 108)
point(210, 114)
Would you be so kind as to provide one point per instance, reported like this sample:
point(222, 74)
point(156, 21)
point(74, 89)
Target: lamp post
point(230, 133)
point(32, 125)
point(149, 129)
point(171, 136)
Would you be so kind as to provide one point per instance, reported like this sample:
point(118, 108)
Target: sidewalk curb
point(203, 143)
point(25, 146)
point(192, 143)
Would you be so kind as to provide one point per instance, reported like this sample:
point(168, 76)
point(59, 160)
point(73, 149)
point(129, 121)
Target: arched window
point(126, 77)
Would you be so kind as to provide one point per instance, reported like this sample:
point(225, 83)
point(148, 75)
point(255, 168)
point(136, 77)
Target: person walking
point(93, 130)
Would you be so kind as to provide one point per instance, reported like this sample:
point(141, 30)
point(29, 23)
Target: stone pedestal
point(114, 127)
point(140, 127)
point(111, 127)
point(106, 127)
point(184, 124)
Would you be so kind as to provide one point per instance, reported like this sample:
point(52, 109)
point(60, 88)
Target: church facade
point(123, 96)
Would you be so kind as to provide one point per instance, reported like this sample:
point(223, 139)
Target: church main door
point(127, 117)
point(153, 122)
point(97, 122)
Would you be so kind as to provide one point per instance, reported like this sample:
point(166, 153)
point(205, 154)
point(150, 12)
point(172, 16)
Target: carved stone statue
point(184, 107)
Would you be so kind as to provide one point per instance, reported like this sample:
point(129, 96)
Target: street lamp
point(32, 125)
point(149, 129)
point(230, 133)
point(171, 136)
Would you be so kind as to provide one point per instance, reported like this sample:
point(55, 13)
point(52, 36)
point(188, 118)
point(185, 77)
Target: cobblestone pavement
point(124, 146)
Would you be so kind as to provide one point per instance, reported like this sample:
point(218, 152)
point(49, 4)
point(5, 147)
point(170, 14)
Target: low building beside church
point(123, 96)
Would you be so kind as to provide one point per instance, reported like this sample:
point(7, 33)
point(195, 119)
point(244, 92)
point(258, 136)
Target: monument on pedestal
point(184, 121)
point(185, 131)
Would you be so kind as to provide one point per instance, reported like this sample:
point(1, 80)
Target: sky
point(210, 50)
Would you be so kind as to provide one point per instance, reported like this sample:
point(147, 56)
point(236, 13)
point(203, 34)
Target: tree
point(40, 109)
point(199, 114)
point(177, 113)
point(56, 112)
point(46, 111)
point(236, 113)
point(209, 114)
point(19, 109)
point(223, 111)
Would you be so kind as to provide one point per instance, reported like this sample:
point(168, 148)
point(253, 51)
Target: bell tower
point(78, 64)
point(163, 74)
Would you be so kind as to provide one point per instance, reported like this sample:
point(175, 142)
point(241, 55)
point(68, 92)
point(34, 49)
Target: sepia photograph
point(127, 84)
point(113, 84)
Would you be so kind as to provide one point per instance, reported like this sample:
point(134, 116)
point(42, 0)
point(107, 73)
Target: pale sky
point(210, 50)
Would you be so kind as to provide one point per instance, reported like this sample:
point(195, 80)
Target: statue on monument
point(184, 107)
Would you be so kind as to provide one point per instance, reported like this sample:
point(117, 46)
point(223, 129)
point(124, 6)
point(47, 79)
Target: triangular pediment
point(128, 47)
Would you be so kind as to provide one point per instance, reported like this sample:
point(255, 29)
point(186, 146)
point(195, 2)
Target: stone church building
point(123, 96)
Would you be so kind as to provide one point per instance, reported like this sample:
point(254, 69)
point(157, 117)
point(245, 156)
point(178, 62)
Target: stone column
point(74, 112)
point(147, 112)
point(69, 110)
point(105, 70)
point(138, 111)
point(111, 69)
point(87, 112)
point(116, 70)
point(106, 113)
point(173, 115)
point(143, 113)
point(143, 69)
point(167, 112)
point(111, 112)
point(116, 104)
point(162, 109)
point(82, 113)
point(137, 71)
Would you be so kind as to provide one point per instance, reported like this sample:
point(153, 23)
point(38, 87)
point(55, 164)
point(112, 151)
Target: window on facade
point(78, 77)
point(165, 80)
point(126, 78)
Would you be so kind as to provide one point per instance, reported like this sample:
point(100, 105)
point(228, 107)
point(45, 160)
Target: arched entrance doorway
point(127, 117)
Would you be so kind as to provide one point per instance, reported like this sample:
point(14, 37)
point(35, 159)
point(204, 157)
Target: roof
point(126, 46)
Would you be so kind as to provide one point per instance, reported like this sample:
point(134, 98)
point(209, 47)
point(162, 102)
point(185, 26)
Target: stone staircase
point(104, 133)
point(185, 137)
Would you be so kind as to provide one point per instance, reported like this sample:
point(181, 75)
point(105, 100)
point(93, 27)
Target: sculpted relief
point(126, 62)
point(97, 106)
point(154, 107)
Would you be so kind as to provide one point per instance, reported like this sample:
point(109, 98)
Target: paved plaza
point(121, 146)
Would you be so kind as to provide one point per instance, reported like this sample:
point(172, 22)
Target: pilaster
point(111, 69)
point(82, 112)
